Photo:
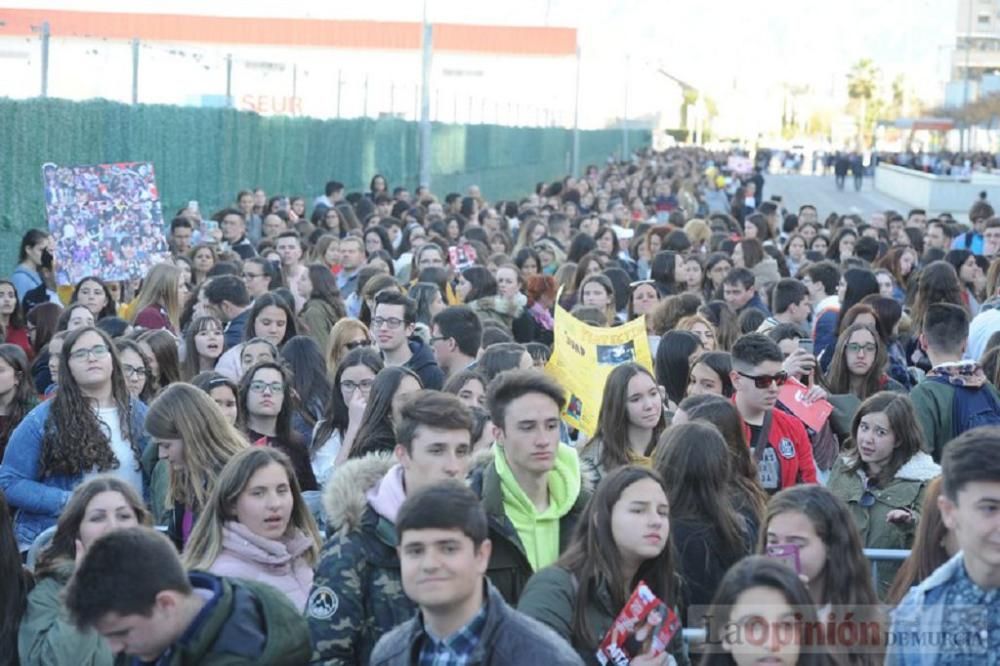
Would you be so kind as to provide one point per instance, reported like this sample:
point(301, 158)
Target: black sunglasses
point(764, 381)
point(358, 343)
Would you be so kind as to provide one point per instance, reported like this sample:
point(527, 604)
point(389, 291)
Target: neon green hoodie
point(539, 532)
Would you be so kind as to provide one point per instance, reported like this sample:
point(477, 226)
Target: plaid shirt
point(457, 649)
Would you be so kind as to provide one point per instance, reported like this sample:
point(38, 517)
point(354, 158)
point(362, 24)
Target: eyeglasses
point(437, 338)
point(388, 322)
point(354, 344)
point(258, 386)
point(764, 381)
point(132, 372)
point(857, 348)
point(97, 351)
point(348, 386)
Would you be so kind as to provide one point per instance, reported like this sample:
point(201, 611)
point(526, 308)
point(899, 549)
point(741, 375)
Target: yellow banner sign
point(583, 356)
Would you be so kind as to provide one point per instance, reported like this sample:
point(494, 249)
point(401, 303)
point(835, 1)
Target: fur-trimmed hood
point(921, 467)
point(345, 496)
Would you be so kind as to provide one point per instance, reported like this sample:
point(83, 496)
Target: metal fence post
point(229, 80)
point(340, 84)
point(46, 38)
point(135, 71)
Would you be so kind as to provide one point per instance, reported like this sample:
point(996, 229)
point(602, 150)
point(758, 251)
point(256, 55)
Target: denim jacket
point(38, 501)
point(920, 618)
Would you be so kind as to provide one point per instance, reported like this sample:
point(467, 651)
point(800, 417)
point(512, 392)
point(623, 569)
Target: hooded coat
point(904, 491)
point(242, 623)
point(516, 551)
point(357, 592)
point(424, 364)
point(47, 637)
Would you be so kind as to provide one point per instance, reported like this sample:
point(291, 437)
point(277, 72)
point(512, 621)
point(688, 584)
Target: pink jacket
point(280, 564)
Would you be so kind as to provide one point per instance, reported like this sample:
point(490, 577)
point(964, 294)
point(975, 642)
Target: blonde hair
point(688, 322)
point(340, 334)
point(205, 543)
point(160, 288)
point(184, 412)
point(698, 231)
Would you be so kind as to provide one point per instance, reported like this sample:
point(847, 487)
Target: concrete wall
point(936, 194)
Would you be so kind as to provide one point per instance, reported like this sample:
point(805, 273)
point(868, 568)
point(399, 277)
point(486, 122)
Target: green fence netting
point(210, 154)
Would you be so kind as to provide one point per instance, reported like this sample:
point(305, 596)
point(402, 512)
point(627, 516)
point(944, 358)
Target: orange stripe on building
point(388, 35)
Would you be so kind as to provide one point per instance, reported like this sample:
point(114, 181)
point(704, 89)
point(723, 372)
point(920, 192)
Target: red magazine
point(644, 626)
point(813, 415)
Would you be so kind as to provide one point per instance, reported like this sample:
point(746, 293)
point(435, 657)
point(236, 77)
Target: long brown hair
point(838, 377)
point(613, 421)
point(928, 551)
point(902, 417)
point(846, 575)
point(594, 559)
point(192, 362)
point(693, 460)
point(184, 412)
point(205, 544)
point(74, 440)
point(62, 549)
point(24, 398)
point(723, 414)
point(937, 283)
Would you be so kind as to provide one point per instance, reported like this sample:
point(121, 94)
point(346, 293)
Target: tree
point(862, 88)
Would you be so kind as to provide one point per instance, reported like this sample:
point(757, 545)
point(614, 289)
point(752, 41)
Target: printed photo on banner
point(583, 356)
point(106, 220)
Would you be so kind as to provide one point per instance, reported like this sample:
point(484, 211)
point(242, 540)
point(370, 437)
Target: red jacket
point(789, 439)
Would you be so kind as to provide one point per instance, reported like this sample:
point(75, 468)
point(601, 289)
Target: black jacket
point(509, 638)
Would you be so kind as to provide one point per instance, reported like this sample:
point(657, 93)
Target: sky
point(758, 44)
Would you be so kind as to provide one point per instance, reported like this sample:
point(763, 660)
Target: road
point(821, 191)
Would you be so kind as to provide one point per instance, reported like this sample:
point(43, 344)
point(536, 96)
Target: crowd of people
point(323, 433)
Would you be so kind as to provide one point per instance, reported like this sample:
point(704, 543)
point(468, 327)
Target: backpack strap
point(762, 437)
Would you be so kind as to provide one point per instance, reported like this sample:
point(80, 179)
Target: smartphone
point(211, 226)
point(806, 344)
point(787, 553)
point(193, 206)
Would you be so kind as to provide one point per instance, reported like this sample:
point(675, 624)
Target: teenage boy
point(944, 337)
point(181, 233)
point(456, 334)
point(394, 318)
point(821, 280)
point(227, 298)
point(132, 589)
point(778, 441)
point(952, 616)
point(972, 239)
point(356, 595)
point(233, 226)
point(791, 305)
point(531, 487)
point(739, 291)
point(444, 552)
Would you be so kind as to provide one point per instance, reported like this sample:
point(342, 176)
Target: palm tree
point(862, 83)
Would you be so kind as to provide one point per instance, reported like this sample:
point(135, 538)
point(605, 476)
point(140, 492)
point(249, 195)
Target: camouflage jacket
point(357, 594)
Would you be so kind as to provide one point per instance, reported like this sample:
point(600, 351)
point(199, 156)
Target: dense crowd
point(322, 432)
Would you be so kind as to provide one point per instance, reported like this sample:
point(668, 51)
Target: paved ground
point(821, 191)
